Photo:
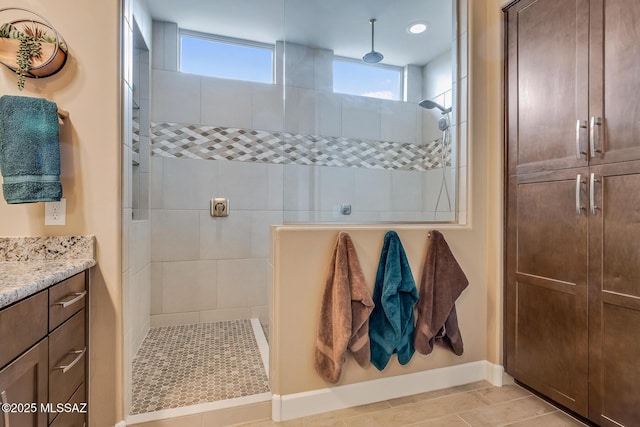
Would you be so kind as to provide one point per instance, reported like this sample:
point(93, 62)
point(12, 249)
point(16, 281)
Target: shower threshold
point(194, 369)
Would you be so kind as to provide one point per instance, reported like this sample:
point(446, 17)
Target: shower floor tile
point(186, 365)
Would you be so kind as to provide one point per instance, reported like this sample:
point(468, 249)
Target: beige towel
point(442, 282)
point(344, 316)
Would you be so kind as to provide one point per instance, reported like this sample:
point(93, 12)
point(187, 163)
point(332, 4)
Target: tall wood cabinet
point(572, 297)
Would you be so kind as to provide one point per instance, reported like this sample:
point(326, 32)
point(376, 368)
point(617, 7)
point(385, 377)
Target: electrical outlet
point(55, 212)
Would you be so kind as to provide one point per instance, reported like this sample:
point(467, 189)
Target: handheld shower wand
point(443, 125)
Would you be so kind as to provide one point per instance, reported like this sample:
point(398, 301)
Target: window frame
point(230, 41)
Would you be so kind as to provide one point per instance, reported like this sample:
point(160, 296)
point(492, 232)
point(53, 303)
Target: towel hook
point(62, 115)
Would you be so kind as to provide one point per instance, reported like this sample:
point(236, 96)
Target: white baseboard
point(287, 407)
point(121, 424)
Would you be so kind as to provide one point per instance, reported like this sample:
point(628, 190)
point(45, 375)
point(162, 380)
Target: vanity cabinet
point(43, 357)
point(24, 358)
point(572, 276)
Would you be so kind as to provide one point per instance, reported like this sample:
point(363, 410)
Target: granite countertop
point(31, 264)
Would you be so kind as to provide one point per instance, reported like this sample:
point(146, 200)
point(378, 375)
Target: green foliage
point(9, 31)
point(28, 49)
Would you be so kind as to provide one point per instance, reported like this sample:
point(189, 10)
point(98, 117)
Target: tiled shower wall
point(206, 269)
point(136, 232)
point(203, 268)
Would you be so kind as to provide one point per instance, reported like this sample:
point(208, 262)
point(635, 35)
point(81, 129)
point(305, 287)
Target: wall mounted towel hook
point(62, 116)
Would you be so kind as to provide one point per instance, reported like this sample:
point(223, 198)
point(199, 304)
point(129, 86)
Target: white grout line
point(263, 346)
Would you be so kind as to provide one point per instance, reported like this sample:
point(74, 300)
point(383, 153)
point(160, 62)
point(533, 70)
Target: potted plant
point(30, 49)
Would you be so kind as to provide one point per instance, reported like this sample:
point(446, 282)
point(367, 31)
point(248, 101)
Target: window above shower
point(226, 57)
point(248, 60)
point(355, 77)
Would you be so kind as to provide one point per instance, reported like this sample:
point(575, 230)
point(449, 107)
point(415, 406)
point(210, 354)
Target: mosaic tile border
point(217, 143)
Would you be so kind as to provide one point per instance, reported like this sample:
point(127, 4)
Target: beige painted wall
point(490, 40)
point(302, 254)
point(88, 88)
point(305, 255)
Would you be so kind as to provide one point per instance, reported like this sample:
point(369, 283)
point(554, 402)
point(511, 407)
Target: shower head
point(429, 105)
point(372, 57)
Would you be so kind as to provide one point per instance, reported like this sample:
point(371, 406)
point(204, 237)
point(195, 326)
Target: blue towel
point(391, 324)
point(29, 150)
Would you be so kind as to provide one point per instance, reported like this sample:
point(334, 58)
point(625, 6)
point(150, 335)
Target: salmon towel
point(344, 316)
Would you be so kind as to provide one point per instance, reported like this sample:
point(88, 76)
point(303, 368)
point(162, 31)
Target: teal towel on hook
point(29, 150)
point(391, 324)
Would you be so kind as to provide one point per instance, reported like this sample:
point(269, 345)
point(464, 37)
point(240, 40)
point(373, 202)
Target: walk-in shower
point(292, 150)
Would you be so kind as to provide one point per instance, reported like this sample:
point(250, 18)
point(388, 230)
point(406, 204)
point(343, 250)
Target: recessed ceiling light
point(417, 27)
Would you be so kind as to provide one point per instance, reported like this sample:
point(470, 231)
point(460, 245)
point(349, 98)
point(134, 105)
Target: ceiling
point(340, 25)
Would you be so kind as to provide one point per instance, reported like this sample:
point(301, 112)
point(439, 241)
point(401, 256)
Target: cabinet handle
point(80, 353)
point(579, 206)
point(580, 124)
point(593, 140)
point(592, 193)
point(77, 297)
point(5, 416)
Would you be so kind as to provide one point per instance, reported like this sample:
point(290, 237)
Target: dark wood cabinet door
point(547, 84)
point(25, 381)
point(546, 285)
point(614, 295)
point(572, 298)
point(615, 79)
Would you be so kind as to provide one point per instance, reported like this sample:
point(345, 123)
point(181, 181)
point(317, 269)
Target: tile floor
point(473, 405)
point(185, 365)
point(179, 358)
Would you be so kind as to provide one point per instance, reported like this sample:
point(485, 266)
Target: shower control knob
point(219, 207)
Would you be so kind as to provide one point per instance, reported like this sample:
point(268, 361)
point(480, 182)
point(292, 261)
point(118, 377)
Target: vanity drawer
point(71, 416)
point(65, 299)
point(67, 359)
point(22, 325)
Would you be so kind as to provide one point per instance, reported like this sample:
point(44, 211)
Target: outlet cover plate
point(55, 212)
